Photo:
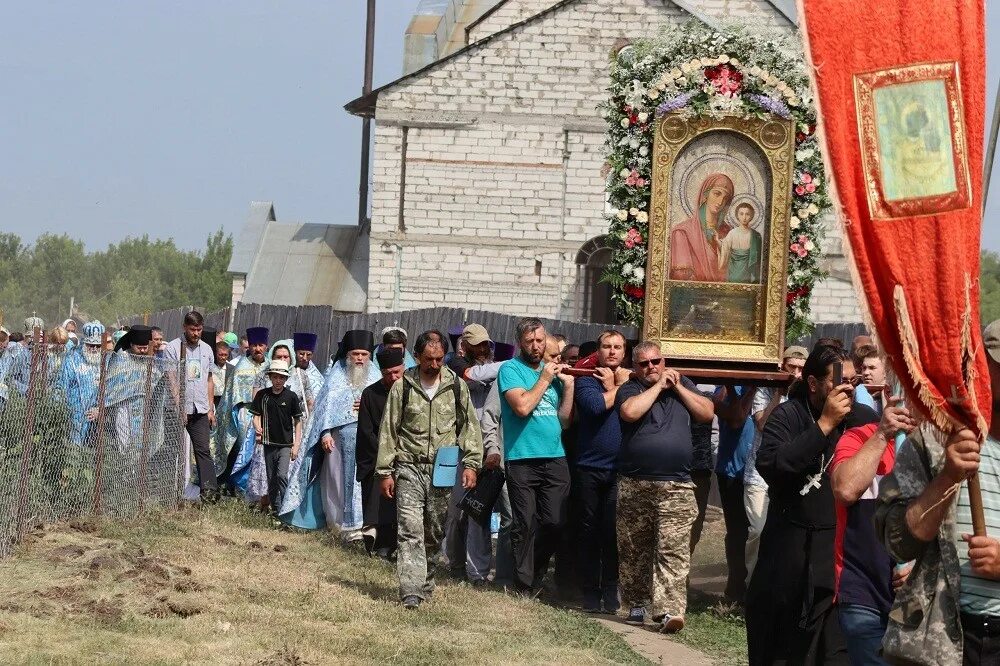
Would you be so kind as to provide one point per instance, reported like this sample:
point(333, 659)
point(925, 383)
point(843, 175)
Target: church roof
point(301, 264)
point(364, 106)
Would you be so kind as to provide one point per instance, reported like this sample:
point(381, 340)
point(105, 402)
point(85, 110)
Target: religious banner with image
point(902, 125)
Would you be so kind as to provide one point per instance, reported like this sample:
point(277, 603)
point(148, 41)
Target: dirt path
point(655, 647)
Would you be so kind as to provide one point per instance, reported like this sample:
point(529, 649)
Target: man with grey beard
point(333, 431)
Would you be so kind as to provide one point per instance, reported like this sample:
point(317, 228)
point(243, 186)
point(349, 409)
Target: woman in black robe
point(790, 614)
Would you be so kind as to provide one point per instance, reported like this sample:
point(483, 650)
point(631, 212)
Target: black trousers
point(276, 461)
point(198, 431)
point(596, 493)
point(539, 493)
point(980, 645)
point(737, 527)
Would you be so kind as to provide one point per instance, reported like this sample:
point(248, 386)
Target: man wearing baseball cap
point(955, 585)
point(468, 544)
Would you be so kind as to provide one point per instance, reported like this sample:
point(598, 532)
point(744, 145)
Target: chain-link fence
point(85, 432)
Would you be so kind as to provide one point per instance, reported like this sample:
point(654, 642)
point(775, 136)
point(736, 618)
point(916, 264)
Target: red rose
point(634, 291)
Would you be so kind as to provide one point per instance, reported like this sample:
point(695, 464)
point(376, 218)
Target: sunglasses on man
point(651, 362)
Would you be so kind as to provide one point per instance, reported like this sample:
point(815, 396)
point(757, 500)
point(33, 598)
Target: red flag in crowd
point(901, 94)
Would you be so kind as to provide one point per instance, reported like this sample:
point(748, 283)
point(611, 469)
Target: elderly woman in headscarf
point(695, 242)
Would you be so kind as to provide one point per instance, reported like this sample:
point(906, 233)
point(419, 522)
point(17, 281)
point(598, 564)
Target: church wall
point(503, 164)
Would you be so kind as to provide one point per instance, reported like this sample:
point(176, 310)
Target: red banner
point(901, 90)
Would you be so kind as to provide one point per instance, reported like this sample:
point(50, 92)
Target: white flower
point(685, 69)
point(627, 269)
point(705, 62)
point(813, 208)
point(755, 71)
point(643, 151)
point(735, 63)
point(639, 273)
point(633, 211)
point(675, 73)
point(803, 154)
point(642, 216)
point(622, 215)
point(794, 223)
point(798, 274)
point(643, 116)
point(809, 245)
point(625, 122)
point(803, 213)
point(682, 81)
point(633, 142)
point(654, 93)
point(624, 173)
point(723, 58)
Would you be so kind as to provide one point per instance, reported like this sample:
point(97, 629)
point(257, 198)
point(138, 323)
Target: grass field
point(222, 586)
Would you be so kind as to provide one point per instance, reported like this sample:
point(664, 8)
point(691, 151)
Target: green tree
point(130, 277)
point(989, 287)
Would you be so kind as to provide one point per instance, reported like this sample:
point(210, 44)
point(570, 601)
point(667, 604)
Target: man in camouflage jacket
point(946, 613)
point(428, 408)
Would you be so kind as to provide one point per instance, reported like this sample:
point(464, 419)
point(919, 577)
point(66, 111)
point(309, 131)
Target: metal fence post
point(102, 413)
point(147, 401)
point(28, 443)
point(181, 408)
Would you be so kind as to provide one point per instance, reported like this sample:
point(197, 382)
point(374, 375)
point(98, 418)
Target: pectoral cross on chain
point(814, 480)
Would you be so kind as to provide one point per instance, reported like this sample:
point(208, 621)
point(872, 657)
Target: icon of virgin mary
point(695, 243)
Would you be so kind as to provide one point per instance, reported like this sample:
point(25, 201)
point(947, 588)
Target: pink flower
point(810, 187)
point(802, 252)
point(800, 190)
point(807, 178)
point(803, 238)
point(633, 238)
point(634, 180)
point(796, 247)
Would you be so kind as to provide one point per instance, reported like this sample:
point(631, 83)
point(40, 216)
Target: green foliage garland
point(697, 71)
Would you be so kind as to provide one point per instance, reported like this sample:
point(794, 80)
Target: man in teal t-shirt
point(537, 405)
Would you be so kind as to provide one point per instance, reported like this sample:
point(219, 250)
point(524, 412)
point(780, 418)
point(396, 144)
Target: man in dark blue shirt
point(594, 483)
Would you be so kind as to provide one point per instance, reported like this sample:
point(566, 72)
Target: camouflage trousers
point(654, 544)
point(420, 509)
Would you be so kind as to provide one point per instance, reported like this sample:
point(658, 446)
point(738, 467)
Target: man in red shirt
point(865, 575)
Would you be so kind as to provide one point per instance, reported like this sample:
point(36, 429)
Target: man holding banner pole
point(951, 609)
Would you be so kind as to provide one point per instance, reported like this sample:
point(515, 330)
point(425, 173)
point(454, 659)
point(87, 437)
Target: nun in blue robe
point(323, 490)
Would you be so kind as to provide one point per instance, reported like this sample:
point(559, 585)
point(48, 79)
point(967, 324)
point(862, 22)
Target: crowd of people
point(848, 529)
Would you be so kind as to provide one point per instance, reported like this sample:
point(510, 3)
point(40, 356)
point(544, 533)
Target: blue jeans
point(863, 629)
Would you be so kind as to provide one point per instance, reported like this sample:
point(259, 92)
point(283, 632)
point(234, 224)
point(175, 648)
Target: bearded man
point(330, 445)
point(305, 347)
point(234, 418)
point(81, 375)
point(129, 374)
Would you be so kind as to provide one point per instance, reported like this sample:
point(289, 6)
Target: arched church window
point(595, 295)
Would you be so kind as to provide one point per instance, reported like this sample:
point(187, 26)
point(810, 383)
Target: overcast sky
point(128, 117)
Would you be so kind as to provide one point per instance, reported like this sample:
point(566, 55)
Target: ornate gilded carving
point(761, 339)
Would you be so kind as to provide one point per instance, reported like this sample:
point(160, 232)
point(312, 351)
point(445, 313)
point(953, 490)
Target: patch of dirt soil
point(286, 656)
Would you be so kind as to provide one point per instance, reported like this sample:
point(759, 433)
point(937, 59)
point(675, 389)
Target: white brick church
point(488, 189)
